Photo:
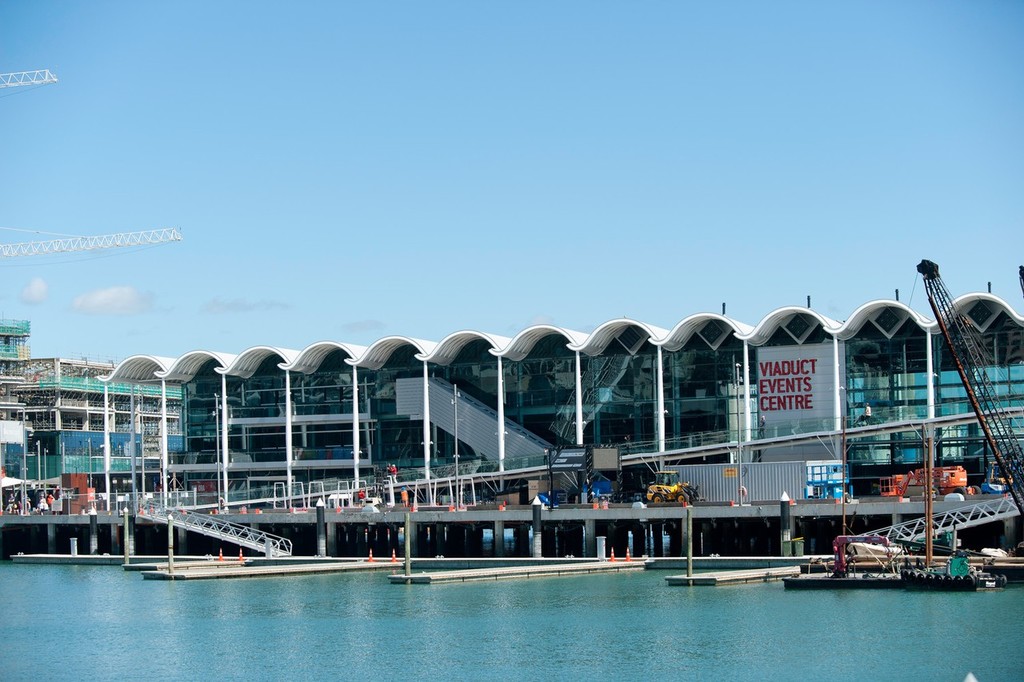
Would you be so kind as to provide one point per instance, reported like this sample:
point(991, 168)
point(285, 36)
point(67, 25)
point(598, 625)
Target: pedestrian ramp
point(210, 526)
point(969, 515)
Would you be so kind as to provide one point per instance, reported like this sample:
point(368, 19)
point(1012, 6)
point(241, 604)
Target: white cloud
point(363, 326)
point(113, 301)
point(35, 292)
point(237, 305)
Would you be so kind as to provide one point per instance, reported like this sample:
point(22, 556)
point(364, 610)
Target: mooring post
point(94, 538)
point(170, 545)
point(124, 534)
point(537, 506)
point(321, 528)
point(408, 543)
point(689, 542)
point(785, 525)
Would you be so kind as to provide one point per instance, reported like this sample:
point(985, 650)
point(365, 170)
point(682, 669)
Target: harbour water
point(101, 623)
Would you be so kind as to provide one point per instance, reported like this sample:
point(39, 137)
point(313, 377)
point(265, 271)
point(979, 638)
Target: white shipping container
point(763, 481)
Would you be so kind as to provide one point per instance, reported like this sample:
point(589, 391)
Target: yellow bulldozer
point(668, 487)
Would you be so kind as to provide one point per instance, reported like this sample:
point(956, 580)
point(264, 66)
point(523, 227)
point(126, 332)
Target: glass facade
point(884, 364)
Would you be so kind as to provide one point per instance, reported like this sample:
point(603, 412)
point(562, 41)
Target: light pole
point(458, 489)
point(842, 440)
point(216, 443)
point(739, 437)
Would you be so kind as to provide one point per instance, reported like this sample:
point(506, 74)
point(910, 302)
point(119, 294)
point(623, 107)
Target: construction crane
point(13, 80)
point(106, 241)
point(964, 343)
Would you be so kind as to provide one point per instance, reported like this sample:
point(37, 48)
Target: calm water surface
point(82, 623)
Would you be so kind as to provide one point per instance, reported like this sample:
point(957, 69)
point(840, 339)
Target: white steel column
point(224, 432)
point(426, 434)
point(163, 440)
point(660, 384)
point(355, 426)
point(579, 402)
point(106, 442)
point(746, 391)
point(837, 382)
point(501, 416)
point(288, 431)
point(929, 364)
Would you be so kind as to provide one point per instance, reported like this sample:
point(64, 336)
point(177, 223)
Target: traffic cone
point(241, 559)
point(394, 559)
point(220, 556)
point(628, 558)
point(371, 556)
point(613, 555)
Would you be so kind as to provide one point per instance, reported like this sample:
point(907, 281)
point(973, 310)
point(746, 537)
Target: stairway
point(211, 526)
point(478, 423)
point(955, 519)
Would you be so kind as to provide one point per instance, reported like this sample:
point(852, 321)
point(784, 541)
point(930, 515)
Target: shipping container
point(761, 481)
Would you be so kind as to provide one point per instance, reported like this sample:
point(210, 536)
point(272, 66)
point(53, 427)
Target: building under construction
point(54, 422)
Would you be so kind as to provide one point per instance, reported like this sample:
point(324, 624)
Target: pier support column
point(115, 539)
point(440, 535)
point(94, 540)
point(657, 539)
point(1011, 532)
point(590, 537)
point(51, 538)
point(181, 539)
point(332, 539)
point(522, 541)
point(499, 539)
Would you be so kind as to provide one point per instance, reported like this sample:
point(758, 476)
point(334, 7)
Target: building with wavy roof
point(334, 409)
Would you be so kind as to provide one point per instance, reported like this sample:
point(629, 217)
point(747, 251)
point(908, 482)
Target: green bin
point(798, 547)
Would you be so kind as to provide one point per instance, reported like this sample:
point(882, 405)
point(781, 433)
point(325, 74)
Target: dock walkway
point(511, 572)
point(754, 575)
point(214, 570)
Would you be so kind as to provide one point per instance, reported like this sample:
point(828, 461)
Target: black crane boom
point(964, 343)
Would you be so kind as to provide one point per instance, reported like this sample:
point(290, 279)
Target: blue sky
point(350, 171)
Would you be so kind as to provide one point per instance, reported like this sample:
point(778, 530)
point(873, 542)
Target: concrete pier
point(491, 532)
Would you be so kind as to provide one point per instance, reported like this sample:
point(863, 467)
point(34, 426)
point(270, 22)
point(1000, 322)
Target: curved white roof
point(607, 332)
point(523, 342)
point(314, 354)
point(186, 366)
point(249, 360)
point(771, 322)
point(871, 311)
point(140, 368)
point(379, 351)
point(450, 346)
point(694, 324)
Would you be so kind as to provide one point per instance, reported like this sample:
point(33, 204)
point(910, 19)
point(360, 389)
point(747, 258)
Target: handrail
point(962, 517)
point(244, 536)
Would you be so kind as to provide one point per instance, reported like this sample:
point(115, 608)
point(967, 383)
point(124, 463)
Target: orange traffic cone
point(371, 556)
point(613, 555)
point(241, 559)
point(220, 557)
point(628, 558)
point(394, 559)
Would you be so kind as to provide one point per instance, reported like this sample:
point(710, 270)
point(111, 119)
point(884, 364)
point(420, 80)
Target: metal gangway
point(962, 517)
point(211, 526)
